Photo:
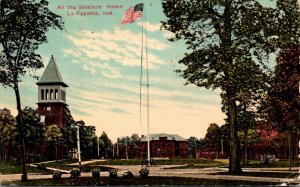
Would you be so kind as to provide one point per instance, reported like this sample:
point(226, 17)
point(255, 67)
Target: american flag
point(133, 13)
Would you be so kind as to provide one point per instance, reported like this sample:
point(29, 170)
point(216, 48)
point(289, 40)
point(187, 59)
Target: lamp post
point(77, 126)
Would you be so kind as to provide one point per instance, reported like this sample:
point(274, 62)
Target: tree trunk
point(56, 152)
point(234, 158)
point(226, 43)
point(126, 152)
point(21, 130)
point(246, 146)
point(290, 150)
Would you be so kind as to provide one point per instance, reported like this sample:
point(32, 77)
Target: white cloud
point(166, 115)
point(168, 34)
point(150, 27)
point(97, 49)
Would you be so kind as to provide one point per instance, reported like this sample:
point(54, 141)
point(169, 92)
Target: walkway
point(162, 170)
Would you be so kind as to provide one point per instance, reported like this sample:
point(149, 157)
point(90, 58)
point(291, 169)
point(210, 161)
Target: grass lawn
point(265, 174)
point(14, 168)
point(159, 162)
point(104, 181)
point(277, 164)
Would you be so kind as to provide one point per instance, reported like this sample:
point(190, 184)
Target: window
point(42, 94)
point(51, 94)
point(47, 94)
point(56, 94)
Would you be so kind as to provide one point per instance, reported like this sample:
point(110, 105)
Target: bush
point(96, 173)
point(113, 173)
point(144, 172)
point(56, 175)
point(127, 174)
point(75, 173)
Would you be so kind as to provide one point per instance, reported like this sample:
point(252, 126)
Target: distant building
point(52, 105)
point(164, 146)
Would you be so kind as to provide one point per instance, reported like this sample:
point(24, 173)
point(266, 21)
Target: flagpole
point(141, 75)
point(147, 72)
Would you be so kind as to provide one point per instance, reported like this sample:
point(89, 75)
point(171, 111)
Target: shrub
point(144, 172)
point(56, 175)
point(75, 173)
point(127, 174)
point(113, 173)
point(96, 173)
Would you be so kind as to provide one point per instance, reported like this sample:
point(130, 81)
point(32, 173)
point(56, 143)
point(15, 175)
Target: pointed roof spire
point(51, 75)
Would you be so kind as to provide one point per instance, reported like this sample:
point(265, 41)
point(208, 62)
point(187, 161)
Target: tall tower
point(52, 96)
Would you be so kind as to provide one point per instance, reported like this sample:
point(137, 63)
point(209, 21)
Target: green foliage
point(75, 173)
point(113, 173)
point(213, 137)
point(19, 40)
point(33, 128)
point(144, 172)
point(53, 134)
point(96, 173)
point(228, 46)
point(105, 145)
point(253, 137)
point(56, 175)
point(127, 175)
point(8, 129)
point(13, 167)
point(283, 99)
point(69, 137)
point(192, 144)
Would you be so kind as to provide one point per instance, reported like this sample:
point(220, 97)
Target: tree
point(68, 137)
point(220, 36)
point(253, 138)
point(19, 42)
point(105, 144)
point(53, 135)
point(33, 129)
point(213, 138)
point(246, 121)
point(124, 142)
point(69, 132)
point(283, 99)
point(134, 138)
point(87, 136)
point(7, 131)
point(192, 144)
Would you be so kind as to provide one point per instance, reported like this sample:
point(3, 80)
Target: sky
point(100, 61)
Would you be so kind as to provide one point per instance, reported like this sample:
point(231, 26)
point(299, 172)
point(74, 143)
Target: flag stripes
point(133, 13)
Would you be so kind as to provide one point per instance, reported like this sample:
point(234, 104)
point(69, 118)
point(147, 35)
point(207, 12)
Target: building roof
point(51, 75)
point(168, 136)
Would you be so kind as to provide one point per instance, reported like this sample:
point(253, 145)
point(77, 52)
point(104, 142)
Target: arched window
point(47, 94)
point(56, 94)
point(51, 94)
point(42, 94)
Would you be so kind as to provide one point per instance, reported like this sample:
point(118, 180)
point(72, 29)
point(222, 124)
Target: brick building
point(52, 106)
point(52, 96)
point(164, 146)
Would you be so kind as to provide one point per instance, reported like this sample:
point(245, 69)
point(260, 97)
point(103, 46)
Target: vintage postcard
point(149, 92)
